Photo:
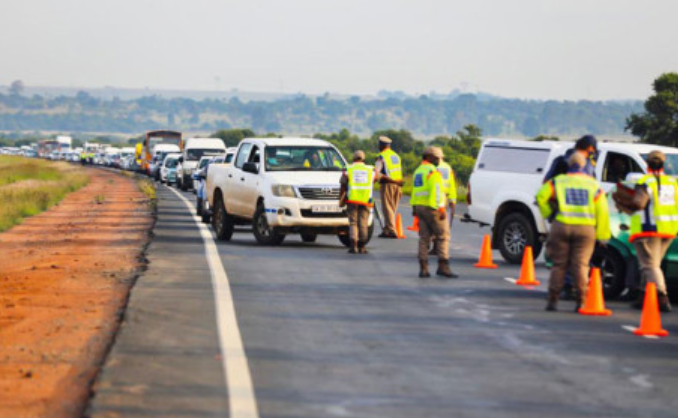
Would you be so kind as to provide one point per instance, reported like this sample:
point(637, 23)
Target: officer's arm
point(545, 194)
point(452, 193)
point(603, 232)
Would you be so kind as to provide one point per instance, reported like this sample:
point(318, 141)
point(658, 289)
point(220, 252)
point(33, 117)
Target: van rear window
point(514, 160)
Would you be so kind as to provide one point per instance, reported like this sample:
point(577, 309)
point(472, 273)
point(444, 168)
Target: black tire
point(222, 222)
point(183, 186)
point(515, 231)
point(346, 240)
point(309, 236)
point(263, 233)
point(612, 271)
point(198, 206)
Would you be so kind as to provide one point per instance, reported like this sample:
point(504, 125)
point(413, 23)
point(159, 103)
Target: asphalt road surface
point(329, 334)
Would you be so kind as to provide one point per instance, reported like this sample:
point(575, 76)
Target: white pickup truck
point(280, 186)
point(508, 174)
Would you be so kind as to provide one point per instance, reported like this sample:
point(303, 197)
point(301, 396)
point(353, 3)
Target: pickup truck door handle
point(230, 176)
point(242, 178)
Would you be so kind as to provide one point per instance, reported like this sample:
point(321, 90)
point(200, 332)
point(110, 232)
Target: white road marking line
point(510, 280)
point(241, 400)
point(631, 329)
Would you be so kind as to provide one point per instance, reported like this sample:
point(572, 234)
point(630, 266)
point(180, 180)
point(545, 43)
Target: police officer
point(654, 227)
point(357, 185)
point(428, 204)
point(579, 208)
point(450, 188)
point(388, 171)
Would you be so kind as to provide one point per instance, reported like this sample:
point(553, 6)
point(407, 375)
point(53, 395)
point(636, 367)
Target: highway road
point(327, 334)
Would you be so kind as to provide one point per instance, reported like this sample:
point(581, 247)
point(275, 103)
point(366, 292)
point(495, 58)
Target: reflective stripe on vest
point(660, 217)
point(392, 164)
point(360, 184)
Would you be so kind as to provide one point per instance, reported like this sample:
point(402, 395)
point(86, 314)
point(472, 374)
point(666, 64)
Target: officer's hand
point(603, 243)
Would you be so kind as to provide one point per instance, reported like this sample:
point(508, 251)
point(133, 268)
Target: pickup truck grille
point(306, 213)
point(319, 193)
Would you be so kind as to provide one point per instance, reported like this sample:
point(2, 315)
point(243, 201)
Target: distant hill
point(132, 111)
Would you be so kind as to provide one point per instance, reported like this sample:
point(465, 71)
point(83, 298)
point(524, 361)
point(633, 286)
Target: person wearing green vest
point(450, 188)
point(577, 208)
point(428, 204)
point(357, 185)
point(389, 173)
point(654, 227)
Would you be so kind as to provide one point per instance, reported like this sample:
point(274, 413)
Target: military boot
point(552, 302)
point(664, 304)
point(353, 249)
point(444, 270)
point(423, 269)
point(361, 248)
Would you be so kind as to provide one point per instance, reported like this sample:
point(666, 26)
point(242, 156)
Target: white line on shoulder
point(241, 399)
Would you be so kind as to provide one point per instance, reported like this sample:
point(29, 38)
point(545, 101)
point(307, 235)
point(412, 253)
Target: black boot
point(664, 304)
point(444, 270)
point(354, 247)
point(361, 248)
point(423, 270)
point(552, 302)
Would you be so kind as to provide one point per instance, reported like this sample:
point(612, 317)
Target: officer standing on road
point(450, 188)
point(654, 227)
point(581, 218)
point(428, 204)
point(357, 185)
point(389, 173)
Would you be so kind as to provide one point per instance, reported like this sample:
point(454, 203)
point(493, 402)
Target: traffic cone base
point(526, 277)
point(595, 303)
point(399, 227)
point(485, 261)
point(650, 319)
point(415, 225)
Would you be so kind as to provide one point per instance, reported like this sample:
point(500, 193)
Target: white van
point(195, 149)
point(508, 174)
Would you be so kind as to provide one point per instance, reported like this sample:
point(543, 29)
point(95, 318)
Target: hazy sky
point(545, 49)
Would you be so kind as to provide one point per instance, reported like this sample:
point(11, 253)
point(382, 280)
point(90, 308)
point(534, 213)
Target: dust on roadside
point(65, 276)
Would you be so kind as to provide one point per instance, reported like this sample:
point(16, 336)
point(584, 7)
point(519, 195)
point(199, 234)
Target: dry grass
point(49, 183)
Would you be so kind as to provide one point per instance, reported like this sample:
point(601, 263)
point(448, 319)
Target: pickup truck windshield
point(303, 159)
point(670, 165)
point(196, 153)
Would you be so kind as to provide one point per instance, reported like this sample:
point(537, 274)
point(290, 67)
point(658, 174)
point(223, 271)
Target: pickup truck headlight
point(283, 190)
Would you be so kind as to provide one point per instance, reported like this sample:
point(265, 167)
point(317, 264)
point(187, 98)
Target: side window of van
point(513, 159)
point(617, 166)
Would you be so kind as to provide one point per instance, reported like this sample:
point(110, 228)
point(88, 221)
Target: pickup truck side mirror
point(250, 168)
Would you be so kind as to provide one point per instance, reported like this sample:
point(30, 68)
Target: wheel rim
point(219, 220)
point(608, 273)
point(515, 238)
point(262, 226)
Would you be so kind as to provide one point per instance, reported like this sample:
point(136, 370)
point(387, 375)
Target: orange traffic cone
point(399, 227)
point(595, 304)
point(527, 269)
point(485, 261)
point(415, 225)
point(650, 320)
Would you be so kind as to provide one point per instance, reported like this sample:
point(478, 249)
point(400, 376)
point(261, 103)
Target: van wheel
point(612, 271)
point(263, 233)
point(309, 236)
point(222, 222)
point(514, 233)
point(198, 206)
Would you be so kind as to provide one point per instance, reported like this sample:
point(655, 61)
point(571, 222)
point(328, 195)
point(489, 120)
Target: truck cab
point(280, 186)
point(194, 150)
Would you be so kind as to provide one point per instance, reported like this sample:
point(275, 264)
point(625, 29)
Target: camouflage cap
point(434, 152)
point(656, 155)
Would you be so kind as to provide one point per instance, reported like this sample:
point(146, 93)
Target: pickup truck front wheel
point(263, 233)
point(222, 222)
point(514, 233)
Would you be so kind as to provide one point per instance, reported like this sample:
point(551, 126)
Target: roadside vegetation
point(31, 186)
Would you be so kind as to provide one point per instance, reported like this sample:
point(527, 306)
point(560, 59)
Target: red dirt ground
point(64, 280)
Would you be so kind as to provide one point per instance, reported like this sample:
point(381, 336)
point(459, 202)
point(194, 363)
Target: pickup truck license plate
point(325, 209)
